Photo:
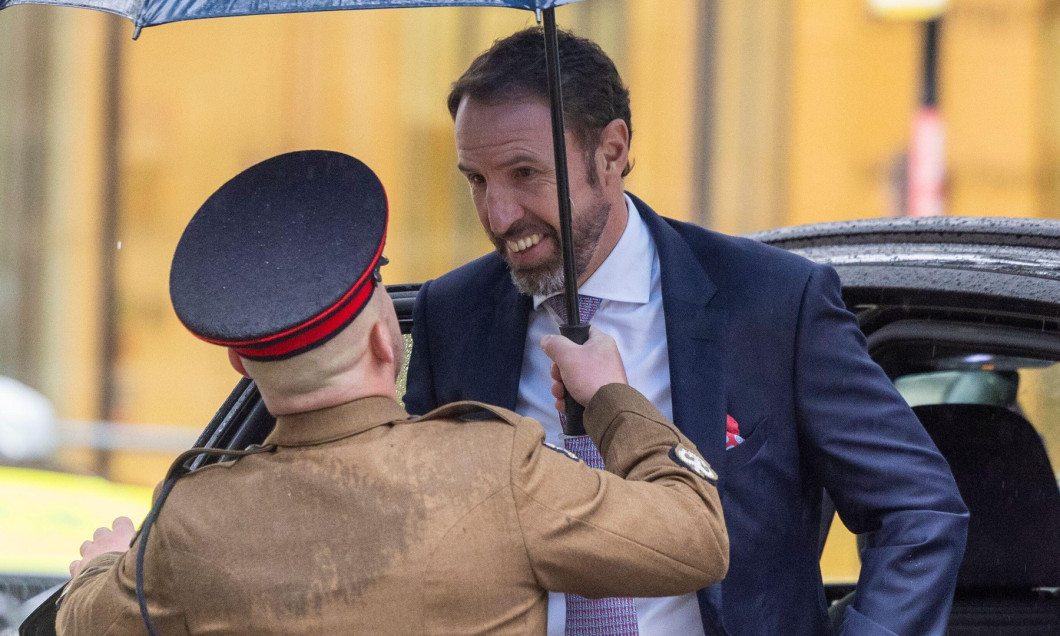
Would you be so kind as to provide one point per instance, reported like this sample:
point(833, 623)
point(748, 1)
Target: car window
point(1027, 386)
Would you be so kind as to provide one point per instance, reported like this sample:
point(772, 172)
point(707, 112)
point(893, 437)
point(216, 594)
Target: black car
point(964, 316)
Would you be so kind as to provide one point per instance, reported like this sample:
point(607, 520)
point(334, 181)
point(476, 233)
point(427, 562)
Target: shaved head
point(348, 362)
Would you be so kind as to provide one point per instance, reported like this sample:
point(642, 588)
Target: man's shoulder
point(736, 251)
point(716, 250)
point(491, 429)
point(735, 261)
point(483, 271)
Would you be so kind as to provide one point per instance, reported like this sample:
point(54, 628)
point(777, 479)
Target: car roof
point(989, 264)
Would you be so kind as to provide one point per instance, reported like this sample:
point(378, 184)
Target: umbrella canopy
point(154, 12)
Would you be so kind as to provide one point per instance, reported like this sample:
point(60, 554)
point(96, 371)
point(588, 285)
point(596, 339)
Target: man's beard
point(546, 279)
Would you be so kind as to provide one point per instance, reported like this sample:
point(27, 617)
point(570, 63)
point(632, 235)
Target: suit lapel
point(695, 321)
point(499, 359)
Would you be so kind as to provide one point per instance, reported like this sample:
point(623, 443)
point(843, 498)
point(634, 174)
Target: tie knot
point(587, 306)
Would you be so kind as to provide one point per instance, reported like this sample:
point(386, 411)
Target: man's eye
point(524, 173)
point(475, 179)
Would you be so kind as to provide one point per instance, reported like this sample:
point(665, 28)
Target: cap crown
point(282, 253)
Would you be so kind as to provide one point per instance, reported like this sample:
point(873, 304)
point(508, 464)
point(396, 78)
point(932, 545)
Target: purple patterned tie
point(585, 616)
point(602, 616)
point(587, 306)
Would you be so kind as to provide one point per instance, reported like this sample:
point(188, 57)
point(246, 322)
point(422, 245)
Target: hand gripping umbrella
point(145, 13)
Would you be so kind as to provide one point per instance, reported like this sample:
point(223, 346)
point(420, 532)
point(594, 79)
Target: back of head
point(343, 368)
point(514, 69)
point(280, 265)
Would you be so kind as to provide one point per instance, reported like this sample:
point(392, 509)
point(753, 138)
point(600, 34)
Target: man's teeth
point(523, 243)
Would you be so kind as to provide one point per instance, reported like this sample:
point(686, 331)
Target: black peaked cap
point(283, 255)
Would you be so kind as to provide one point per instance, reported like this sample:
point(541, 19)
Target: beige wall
point(1001, 70)
point(854, 81)
point(811, 102)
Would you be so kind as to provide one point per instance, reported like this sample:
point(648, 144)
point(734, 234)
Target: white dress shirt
point(631, 312)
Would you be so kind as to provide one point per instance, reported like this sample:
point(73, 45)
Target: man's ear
point(379, 341)
point(237, 363)
point(614, 147)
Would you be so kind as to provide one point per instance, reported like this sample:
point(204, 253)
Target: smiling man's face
point(504, 149)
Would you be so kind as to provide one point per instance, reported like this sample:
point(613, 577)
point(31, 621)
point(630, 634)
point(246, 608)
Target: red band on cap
point(314, 334)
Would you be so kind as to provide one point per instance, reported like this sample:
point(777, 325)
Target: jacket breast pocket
point(741, 455)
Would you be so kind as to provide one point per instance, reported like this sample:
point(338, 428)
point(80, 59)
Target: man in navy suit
point(748, 348)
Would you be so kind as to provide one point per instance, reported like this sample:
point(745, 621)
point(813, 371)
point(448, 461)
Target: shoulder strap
point(177, 470)
point(468, 410)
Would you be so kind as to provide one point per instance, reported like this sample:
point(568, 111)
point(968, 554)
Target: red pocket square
point(732, 433)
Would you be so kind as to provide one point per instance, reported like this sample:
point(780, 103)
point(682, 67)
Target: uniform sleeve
point(419, 387)
point(889, 482)
point(101, 599)
point(648, 526)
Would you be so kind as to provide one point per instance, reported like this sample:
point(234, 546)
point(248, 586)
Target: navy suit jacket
point(760, 334)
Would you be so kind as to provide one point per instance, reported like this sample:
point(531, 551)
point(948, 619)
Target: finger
point(555, 346)
point(100, 533)
point(75, 567)
point(555, 373)
point(85, 546)
point(124, 524)
point(558, 390)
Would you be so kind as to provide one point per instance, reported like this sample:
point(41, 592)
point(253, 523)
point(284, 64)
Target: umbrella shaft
point(559, 147)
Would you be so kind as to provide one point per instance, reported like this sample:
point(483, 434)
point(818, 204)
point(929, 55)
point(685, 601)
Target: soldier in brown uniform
point(355, 517)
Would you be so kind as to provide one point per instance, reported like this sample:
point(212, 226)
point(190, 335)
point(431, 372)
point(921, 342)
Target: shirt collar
point(335, 422)
point(625, 275)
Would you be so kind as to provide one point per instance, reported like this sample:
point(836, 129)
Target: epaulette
point(470, 411)
point(180, 465)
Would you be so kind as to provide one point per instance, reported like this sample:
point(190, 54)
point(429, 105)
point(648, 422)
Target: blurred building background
point(748, 114)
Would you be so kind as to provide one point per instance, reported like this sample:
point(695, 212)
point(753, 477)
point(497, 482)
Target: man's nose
point(502, 209)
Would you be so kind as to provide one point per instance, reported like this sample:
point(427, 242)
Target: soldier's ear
point(380, 342)
point(237, 363)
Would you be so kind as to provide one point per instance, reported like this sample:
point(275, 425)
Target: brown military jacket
point(364, 520)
